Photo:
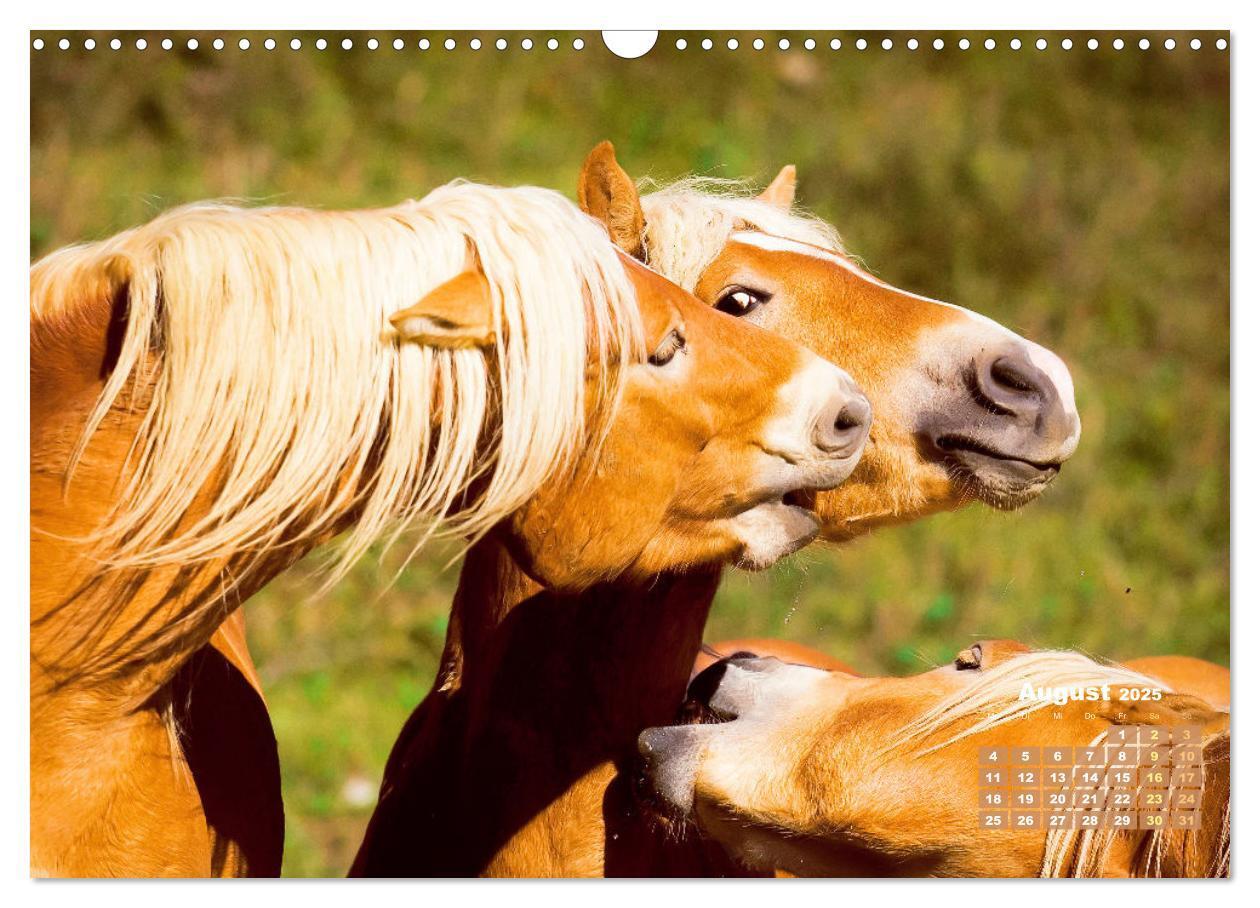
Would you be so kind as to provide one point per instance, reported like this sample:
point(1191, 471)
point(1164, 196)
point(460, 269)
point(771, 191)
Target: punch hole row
point(939, 44)
point(345, 44)
point(577, 44)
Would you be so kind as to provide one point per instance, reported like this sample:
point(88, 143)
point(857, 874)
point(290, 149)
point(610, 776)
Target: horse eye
point(673, 343)
point(739, 301)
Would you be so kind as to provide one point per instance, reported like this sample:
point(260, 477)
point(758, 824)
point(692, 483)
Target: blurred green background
point(1079, 197)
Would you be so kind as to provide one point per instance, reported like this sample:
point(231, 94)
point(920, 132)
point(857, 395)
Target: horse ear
point(781, 192)
point(607, 193)
point(453, 316)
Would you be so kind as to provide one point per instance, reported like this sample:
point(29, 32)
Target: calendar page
point(552, 452)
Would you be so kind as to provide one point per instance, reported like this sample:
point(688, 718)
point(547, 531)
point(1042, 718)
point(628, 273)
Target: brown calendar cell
point(1026, 800)
point(1122, 777)
point(1094, 755)
point(1121, 735)
point(1056, 776)
point(1087, 819)
point(1123, 756)
point(994, 776)
point(1025, 756)
point(993, 756)
point(1057, 819)
point(1089, 797)
point(1153, 799)
point(1089, 777)
point(1156, 755)
point(1155, 776)
point(1185, 819)
point(1152, 819)
point(995, 819)
point(1153, 736)
point(1121, 819)
point(1026, 777)
point(1187, 734)
point(1057, 799)
point(1185, 799)
point(1186, 754)
point(1122, 799)
point(1056, 756)
point(1187, 776)
point(1025, 819)
point(994, 798)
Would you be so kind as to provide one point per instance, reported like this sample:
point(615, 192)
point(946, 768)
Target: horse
point(519, 761)
point(1185, 674)
point(828, 774)
point(217, 392)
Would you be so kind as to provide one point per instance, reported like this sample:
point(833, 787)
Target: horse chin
point(1003, 483)
point(770, 531)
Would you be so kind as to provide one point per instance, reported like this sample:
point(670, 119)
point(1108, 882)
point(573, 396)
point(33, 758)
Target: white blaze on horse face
point(1042, 358)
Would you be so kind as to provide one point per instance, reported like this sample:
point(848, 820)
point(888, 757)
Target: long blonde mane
point(992, 697)
point(279, 391)
point(689, 221)
point(992, 700)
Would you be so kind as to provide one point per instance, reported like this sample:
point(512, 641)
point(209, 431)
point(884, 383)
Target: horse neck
point(605, 663)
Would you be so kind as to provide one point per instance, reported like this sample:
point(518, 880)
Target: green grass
point(1081, 198)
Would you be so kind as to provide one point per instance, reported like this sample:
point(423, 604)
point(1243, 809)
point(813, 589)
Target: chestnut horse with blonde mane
point(782, 771)
point(217, 392)
point(519, 762)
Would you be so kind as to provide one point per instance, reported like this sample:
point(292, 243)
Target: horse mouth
point(1001, 479)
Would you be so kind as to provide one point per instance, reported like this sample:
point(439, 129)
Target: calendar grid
point(1135, 777)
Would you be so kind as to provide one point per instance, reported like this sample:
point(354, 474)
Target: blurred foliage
point(1080, 197)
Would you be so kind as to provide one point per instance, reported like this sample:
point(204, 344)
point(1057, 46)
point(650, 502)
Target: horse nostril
point(845, 432)
point(1010, 384)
